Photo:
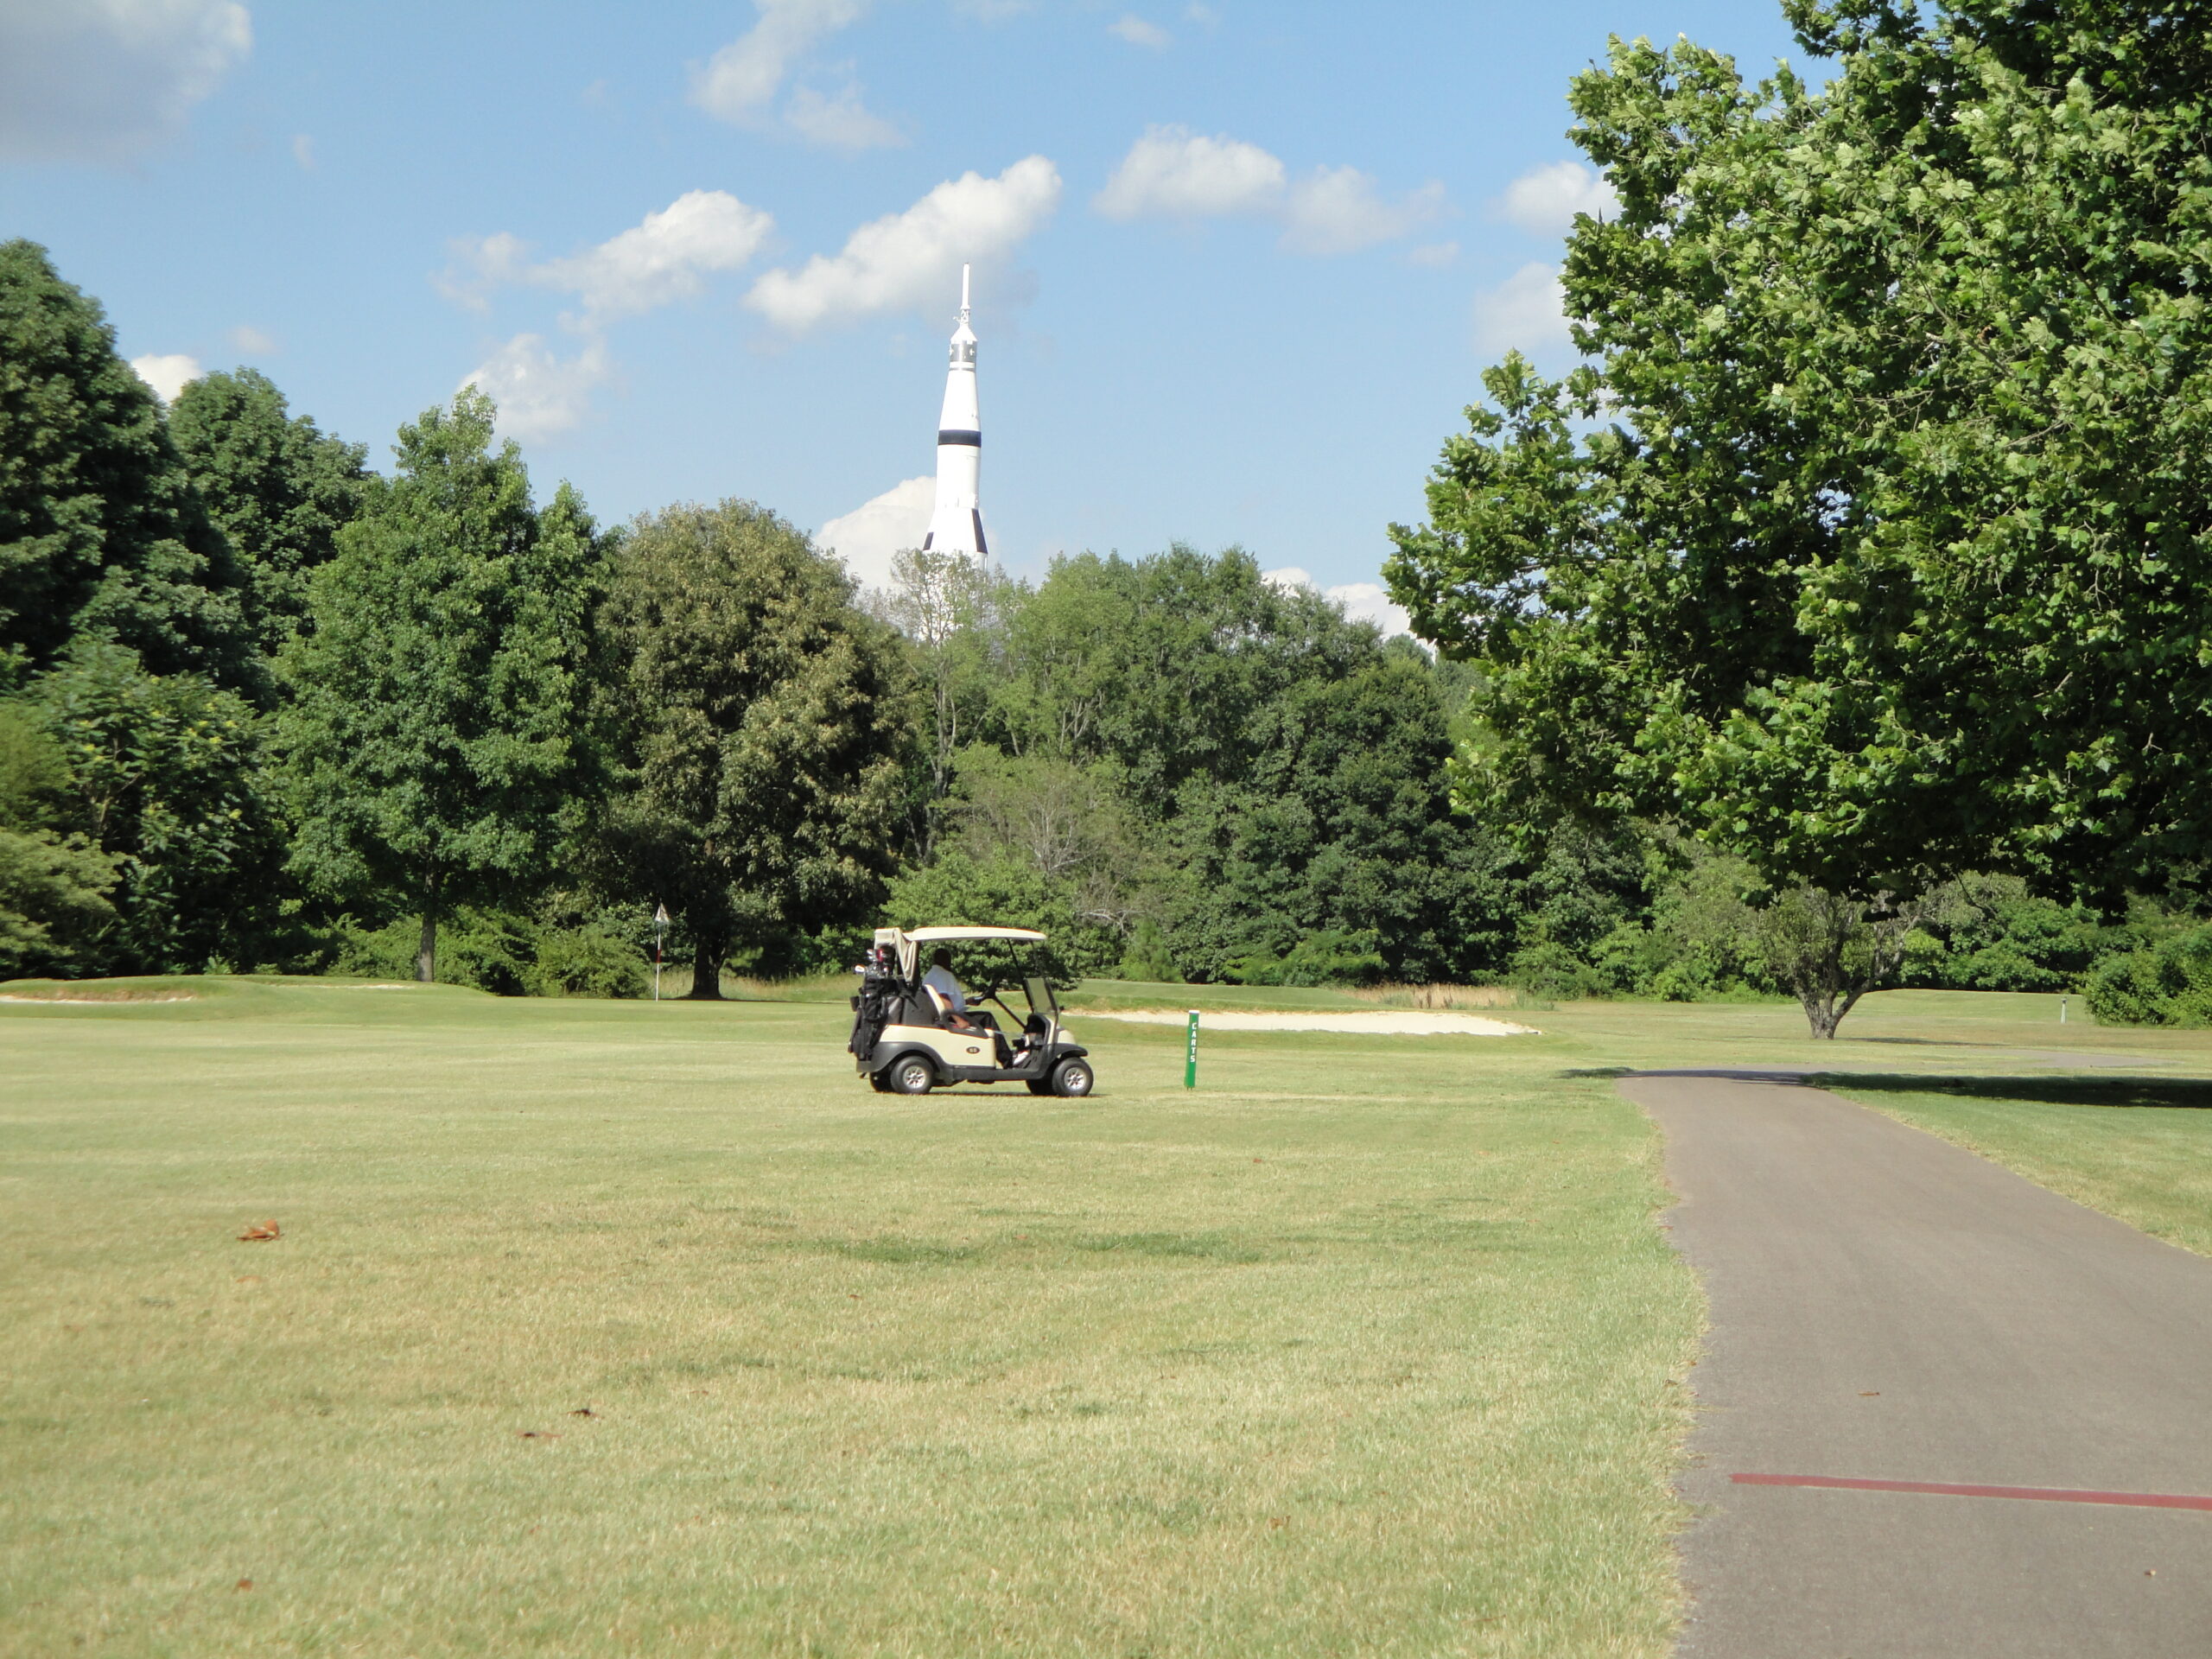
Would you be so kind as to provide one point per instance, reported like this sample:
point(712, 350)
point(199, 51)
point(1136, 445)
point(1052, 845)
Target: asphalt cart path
point(1887, 1309)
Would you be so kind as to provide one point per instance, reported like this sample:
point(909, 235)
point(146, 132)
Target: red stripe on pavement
point(1944, 1489)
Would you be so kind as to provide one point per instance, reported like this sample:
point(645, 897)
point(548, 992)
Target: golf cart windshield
point(1039, 992)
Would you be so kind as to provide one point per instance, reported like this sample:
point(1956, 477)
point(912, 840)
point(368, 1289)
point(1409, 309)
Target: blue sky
point(1238, 265)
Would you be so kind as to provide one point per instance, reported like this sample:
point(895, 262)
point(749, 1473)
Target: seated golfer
point(941, 979)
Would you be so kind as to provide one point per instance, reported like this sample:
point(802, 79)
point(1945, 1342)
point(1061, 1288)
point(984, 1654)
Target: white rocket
point(957, 526)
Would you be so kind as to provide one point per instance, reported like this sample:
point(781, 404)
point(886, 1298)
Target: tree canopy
point(101, 532)
point(277, 487)
point(1873, 539)
point(769, 736)
point(1890, 552)
point(440, 741)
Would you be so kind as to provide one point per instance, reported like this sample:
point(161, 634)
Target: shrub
point(1149, 957)
point(1549, 969)
point(508, 954)
point(593, 960)
point(2168, 983)
point(1329, 957)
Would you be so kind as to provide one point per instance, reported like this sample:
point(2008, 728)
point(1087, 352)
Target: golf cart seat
point(948, 1018)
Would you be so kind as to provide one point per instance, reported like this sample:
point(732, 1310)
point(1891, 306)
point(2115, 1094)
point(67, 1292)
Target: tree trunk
point(1821, 1012)
point(426, 953)
point(706, 974)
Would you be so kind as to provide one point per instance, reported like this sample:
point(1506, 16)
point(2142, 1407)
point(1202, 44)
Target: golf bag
point(879, 993)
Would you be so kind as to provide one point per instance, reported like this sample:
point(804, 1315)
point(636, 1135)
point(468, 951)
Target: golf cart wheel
point(879, 1081)
point(1038, 1086)
point(911, 1076)
point(1072, 1079)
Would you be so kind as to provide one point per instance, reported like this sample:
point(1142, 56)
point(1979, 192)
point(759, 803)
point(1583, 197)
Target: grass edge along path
point(1368, 1346)
point(2137, 1148)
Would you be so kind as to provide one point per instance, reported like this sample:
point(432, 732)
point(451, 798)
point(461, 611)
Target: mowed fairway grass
point(1368, 1346)
point(598, 1327)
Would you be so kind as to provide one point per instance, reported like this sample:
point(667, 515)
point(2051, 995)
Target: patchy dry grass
point(1450, 996)
point(602, 1327)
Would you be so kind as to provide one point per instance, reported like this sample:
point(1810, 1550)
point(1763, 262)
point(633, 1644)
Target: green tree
point(441, 743)
point(101, 534)
point(1163, 665)
point(1887, 560)
point(53, 884)
point(770, 734)
point(1066, 825)
point(1343, 825)
point(947, 605)
point(961, 890)
point(166, 774)
point(273, 483)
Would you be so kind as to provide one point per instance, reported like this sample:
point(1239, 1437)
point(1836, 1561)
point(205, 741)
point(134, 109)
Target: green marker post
point(1190, 1059)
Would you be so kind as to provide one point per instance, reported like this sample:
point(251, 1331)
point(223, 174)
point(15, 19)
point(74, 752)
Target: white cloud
point(1433, 255)
point(167, 372)
point(480, 264)
point(739, 83)
point(538, 395)
point(1337, 210)
point(254, 342)
point(1363, 601)
point(1137, 32)
point(910, 260)
point(1545, 200)
point(1173, 173)
point(866, 536)
point(664, 257)
point(839, 123)
point(1526, 311)
point(103, 79)
point(1367, 601)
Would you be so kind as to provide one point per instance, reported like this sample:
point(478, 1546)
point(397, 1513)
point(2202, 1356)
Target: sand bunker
point(112, 998)
point(1389, 1022)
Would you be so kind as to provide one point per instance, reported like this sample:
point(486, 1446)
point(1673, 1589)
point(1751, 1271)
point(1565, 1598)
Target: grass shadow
point(2189, 1093)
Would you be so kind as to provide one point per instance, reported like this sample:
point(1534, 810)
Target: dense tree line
point(263, 709)
point(1787, 645)
point(266, 709)
point(1870, 545)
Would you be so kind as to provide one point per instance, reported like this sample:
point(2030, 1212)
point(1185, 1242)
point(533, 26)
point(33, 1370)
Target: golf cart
point(907, 1038)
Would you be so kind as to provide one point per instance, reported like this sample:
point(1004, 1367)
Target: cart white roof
point(934, 935)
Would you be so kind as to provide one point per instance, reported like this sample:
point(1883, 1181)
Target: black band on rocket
point(953, 435)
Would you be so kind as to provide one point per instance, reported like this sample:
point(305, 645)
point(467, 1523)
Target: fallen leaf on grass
point(258, 1231)
point(583, 1411)
point(245, 1584)
point(247, 1279)
point(538, 1434)
point(1277, 1522)
point(1870, 1394)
